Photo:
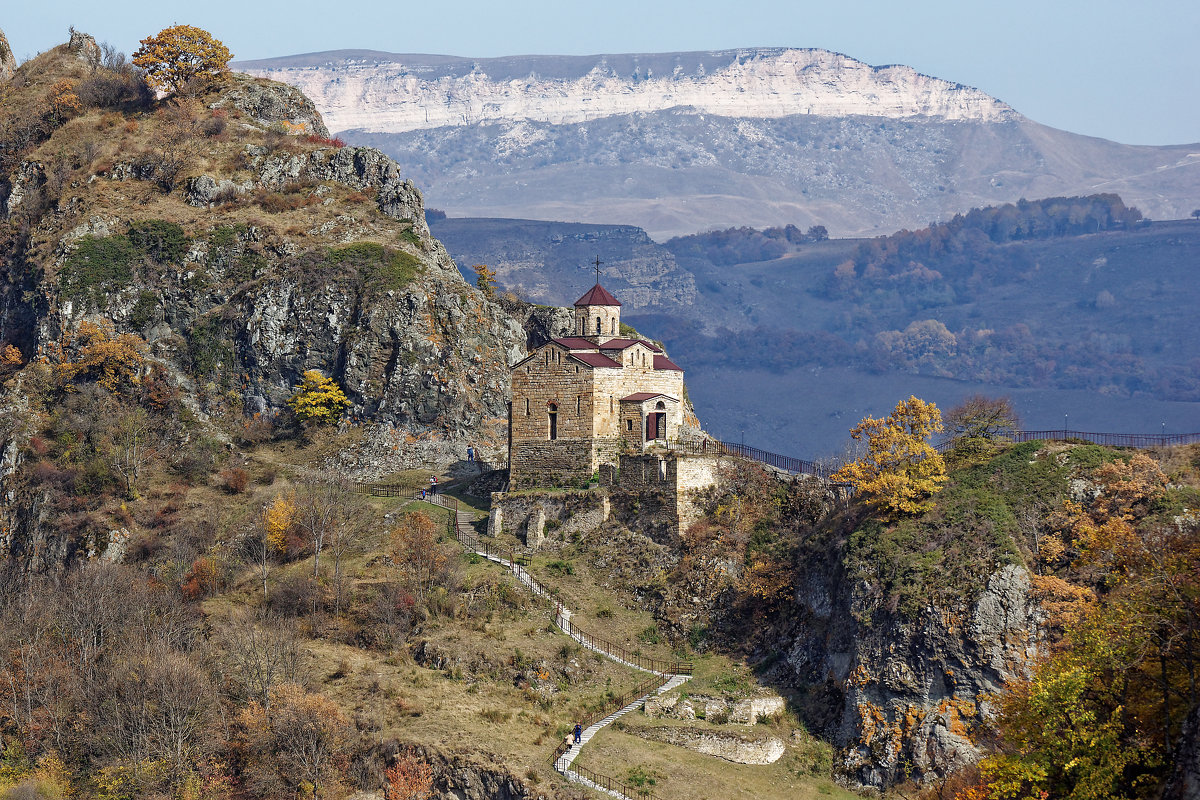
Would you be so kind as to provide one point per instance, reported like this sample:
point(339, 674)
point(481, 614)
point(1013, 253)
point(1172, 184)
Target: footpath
point(663, 675)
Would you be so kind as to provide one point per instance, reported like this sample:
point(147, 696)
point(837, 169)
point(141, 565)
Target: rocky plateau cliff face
point(394, 93)
point(677, 143)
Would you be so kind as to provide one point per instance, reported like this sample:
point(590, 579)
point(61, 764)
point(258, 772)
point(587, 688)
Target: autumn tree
point(1101, 715)
point(278, 519)
point(296, 747)
point(113, 360)
point(181, 55)
point(900, 471)
point(318, 399)
point(414, 549)
point(332, 517)
point(982, 417)
point(485, 279)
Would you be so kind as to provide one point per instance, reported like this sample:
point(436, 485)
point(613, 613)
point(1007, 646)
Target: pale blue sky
point(1121, 70)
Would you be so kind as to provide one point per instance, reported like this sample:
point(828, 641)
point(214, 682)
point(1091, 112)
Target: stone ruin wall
point(548, 518)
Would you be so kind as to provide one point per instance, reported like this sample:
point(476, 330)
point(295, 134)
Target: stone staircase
point(563, 761)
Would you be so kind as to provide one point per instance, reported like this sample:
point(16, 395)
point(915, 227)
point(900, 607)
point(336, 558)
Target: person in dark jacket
point(578, 732)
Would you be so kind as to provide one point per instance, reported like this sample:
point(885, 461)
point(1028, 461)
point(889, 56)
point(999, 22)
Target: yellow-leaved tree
point(179, 55)
point(318, 398)
point(900, 471)
point(278, 519)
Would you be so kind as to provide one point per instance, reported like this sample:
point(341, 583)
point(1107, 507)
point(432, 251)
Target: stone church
point(582, 402)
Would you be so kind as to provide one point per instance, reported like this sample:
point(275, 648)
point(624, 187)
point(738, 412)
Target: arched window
point(581, 330)
point(578, 405)
point(597, 326)
point(553, 414)
point(527, 406)
point(614, 326)
point(610, 404)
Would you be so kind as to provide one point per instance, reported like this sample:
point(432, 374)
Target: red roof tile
point(622, 344)
point(597, 296)
point(576, 343)
point(662, 362)
point(596, 360)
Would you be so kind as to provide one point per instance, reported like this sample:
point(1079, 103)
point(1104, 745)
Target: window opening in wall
point(578, 405)
point(629, 425)
point(553, 421)
point(662, 469)
point(597, 326)
point(527, 406)
point(614, 327)
point(581, 330)
point(610, 404)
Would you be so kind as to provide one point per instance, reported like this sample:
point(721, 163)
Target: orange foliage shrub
point(410, 778)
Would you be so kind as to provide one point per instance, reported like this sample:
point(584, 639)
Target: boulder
point(268, 102)
point(84, 47)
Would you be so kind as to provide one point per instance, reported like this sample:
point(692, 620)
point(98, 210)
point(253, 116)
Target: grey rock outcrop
point(205, 190)
point(8, 62)
point(84, 47)
point(267, 102)
point(28, 177)
point(912, 690)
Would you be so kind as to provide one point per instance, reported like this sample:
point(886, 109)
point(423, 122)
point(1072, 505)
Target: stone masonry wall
point(551, 377)
point(548, 517)
point(657, 490)
point(693, 473)
point(610, 320)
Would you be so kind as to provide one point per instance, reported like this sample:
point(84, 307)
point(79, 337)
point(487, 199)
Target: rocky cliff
point(392, 93)
point(288, 252)
point(8, 62)
point(913, 691)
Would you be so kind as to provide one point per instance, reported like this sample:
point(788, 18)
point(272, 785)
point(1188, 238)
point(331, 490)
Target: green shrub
point(211, 352)
point(161, 241)
point(97, 265)
point(379, 268)
point(143, 310)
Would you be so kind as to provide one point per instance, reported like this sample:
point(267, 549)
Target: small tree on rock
point(900, 471)
point(485, 279)
point(179, 55)
point(318, 399)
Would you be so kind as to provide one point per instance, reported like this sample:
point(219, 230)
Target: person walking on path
point(470, 454)
point(578, 732)
point(433, 484)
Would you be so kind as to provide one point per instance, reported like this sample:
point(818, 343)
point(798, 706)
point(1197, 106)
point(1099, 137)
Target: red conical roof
point(597, 296)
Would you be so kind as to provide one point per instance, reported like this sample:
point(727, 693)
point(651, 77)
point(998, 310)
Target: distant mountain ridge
point(395, 93)
point(678, 143)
